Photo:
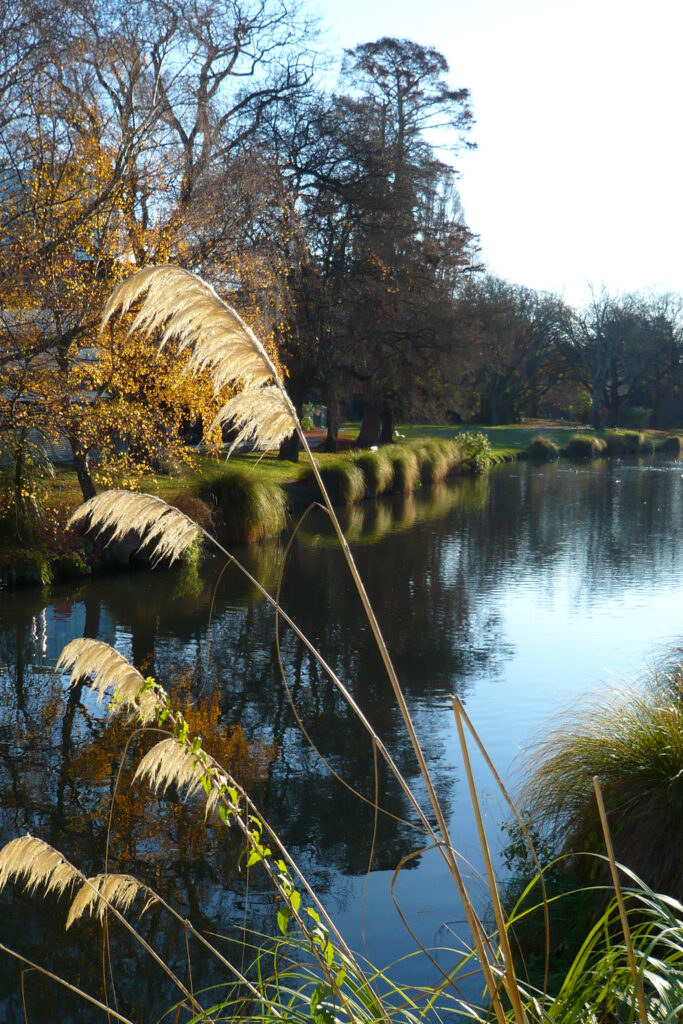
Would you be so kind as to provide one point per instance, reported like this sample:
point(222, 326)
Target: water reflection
point(505, 589)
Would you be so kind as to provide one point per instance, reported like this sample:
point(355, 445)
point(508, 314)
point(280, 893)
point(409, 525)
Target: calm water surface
point(519, 592)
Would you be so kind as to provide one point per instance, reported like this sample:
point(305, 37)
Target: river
point(518, 591)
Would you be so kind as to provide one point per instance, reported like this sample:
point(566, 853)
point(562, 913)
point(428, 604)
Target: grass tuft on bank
point(631, 737)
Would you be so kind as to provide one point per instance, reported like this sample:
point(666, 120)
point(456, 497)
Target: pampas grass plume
point(103, 891)
point(33, 863)
point(109, 671)
point(187, 309)
point(169, 763)
point(166, 530)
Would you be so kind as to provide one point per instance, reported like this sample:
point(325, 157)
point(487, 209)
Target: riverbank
point(253, 497)
point(241, 501)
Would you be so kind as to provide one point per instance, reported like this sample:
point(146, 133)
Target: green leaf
point(314, 914)
point(295, 900)
point(283, 916)
point(340, 977)
point(328, 953)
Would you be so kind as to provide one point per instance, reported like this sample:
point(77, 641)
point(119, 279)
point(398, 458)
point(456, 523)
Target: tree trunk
point(289, 448)
point(596, 405)
point(333, 419)
point(372, 421)
point(387, 433)
point(82, 471)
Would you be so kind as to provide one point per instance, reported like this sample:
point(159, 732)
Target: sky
point(577, 179)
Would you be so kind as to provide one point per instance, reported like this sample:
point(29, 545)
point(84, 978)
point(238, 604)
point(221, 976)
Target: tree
point(514, 350)
point(127, 118)
point(627, 352)
point(379, 241)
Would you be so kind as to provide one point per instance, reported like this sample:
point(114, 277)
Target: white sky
point(578, 175)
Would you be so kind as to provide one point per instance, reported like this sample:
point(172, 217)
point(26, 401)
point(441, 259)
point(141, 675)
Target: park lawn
point(506, 441)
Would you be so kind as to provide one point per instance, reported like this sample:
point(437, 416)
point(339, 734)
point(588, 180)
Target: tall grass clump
point(406, 468)
point(344, 480)
point(631, 737)
point(585, 446)
point(324, 982)
point(437, 459)
point(626, 442)
point(671, 445)
point(542, 449)
point(248, 509)
point(377, 468)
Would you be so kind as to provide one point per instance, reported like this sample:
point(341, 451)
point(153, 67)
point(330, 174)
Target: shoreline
point(242, 506)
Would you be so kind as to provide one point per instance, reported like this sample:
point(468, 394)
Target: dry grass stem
point(32, 863)
point(101, 892)
point(187, 309)
point(118, 514)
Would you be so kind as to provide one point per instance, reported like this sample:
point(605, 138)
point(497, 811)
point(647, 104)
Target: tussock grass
point(437, 459)
point(626, 442)
point(671, 445)
point(585, 446)
point(377, 469)
point(543, 449)
point(406, 468)
point(248, 508)
point(631, 737)
point(344, 480)
point(199, 511)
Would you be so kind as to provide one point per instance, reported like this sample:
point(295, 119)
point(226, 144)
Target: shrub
point(476, 450)
point(582, 407)
point(248, 508)
point(585, 446)
point(638, 417)
point(543, 449)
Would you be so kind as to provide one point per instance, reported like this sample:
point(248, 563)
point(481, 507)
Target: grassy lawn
point(506, 441)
